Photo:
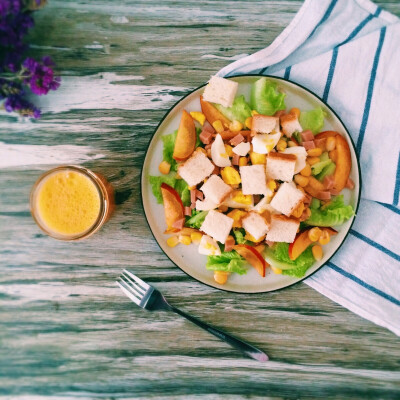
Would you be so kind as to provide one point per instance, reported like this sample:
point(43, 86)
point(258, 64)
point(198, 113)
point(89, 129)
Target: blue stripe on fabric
point(370, 91)
point(323, 19)
point(374, 244)
point(397, 185)
point(390, 207)
point(287, 72)
point(330, 74)
point(352, 35)
point(364, 284)
point(358, 28)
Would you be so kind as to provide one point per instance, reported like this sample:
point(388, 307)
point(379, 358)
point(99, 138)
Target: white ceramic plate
point(187, 257)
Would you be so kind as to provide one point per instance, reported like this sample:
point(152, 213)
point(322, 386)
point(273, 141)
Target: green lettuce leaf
point(265, 98)
point(229, 261)
point(319, 166)
point(313, 120)
point(156, 181)
point(333, 213)
point(183, 189)
point(196, 220)
point(239, 111)
point(168, 150)
point(297, 267)
point(239, 236)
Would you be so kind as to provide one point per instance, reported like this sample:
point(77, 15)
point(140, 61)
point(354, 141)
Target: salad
point(242, 179)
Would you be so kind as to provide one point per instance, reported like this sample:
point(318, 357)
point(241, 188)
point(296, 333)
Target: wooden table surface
point(66, 330)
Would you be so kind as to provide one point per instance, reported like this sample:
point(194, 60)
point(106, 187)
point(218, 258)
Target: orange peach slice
point(213, 114)
point(185, 142)
point(302, 241)
point(253, 257)
point(173, 206)
point(343, 163)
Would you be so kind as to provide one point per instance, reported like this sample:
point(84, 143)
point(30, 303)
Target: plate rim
point(355, 210)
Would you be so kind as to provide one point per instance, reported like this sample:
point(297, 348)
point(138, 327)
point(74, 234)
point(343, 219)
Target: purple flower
point(40, 76)
point(18, 104)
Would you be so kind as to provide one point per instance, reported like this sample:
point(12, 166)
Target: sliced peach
point(343, 163)
point(185, 142)
point(302, 241)
point(212, 113)
point(253, 257)
point(173, 206)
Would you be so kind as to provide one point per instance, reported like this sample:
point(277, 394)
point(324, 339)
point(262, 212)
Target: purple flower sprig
point(17, 77)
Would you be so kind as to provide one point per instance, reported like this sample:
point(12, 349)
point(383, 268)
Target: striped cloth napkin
point(347, 52)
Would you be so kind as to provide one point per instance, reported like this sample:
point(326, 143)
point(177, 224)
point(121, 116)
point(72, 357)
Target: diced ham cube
point(309, 145)
point(237, 139)
point(199, 195)
point(334, 192)
point(350, 184)
point(321, 143)
point(188, 211)
point(324, 195)
point(205, 136)
point(307, 136)
point(179, 223)
point(329, 182)
point(230, 242)
point(235, 159)
point(193, 196)
point(269, 243)
point(207, 126)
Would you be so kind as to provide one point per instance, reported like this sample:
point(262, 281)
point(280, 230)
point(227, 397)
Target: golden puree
point(68, 202)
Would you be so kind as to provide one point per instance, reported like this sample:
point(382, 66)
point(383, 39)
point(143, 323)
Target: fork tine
point(127, 283)
point(128, 293)
point(138, 280)
point(139, 289)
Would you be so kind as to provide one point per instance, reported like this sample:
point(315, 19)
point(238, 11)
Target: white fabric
point(347, 52)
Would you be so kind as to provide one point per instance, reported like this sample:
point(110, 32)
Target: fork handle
point(238, 344)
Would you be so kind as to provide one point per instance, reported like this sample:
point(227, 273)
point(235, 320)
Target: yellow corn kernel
point(295, 111)
point(228, 150)
point(241, 198)
point(325, 237)
point(276, 270)
point(251, 238)
point(217, 125)
point(172, 241)
point(281, 145)
point(249, 122)
point(202, 150)
point(235, 126)
point(185, 239)
point(317, 252)
point(223, 208)
point(198, 116)
point(291, 143)
point(271, 184)
point(298, 210)
point(313, 160)
point(164, 167)
point(301, 180)
point(242, 161)
point(330, 143)
point(191, 187)
point(230, 176)
point(221, 277)
point(254, 112)
point(333, 155)
point(314, 234)
point(315, 152)
point(237, 216)
point(257, 158)
point(196, 237)
point(306, 171)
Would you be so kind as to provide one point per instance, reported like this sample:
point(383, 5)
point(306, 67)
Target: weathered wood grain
point(66, 331)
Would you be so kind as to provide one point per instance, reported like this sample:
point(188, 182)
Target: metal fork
point(149, 298)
